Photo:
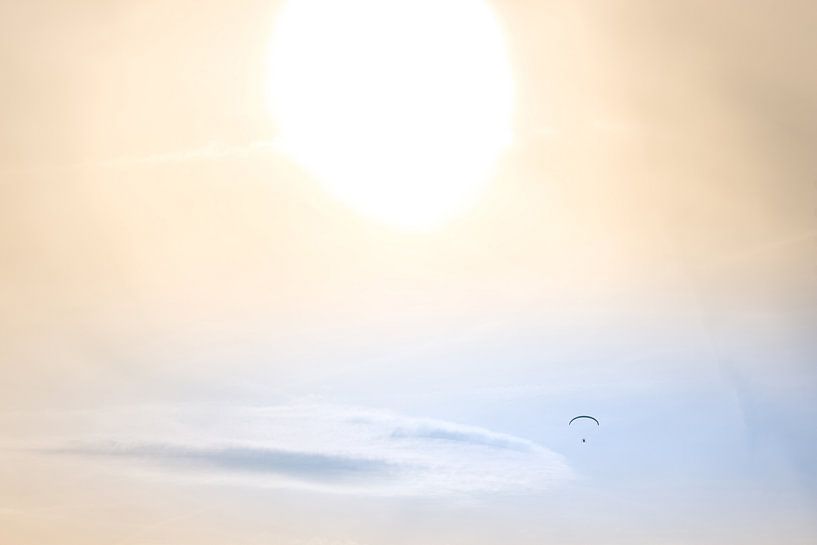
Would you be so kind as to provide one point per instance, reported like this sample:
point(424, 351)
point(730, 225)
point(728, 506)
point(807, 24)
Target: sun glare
point(400, 108)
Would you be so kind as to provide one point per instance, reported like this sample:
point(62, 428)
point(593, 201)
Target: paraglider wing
point(583, 416)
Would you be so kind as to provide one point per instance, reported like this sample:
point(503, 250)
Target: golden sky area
point(344, 282)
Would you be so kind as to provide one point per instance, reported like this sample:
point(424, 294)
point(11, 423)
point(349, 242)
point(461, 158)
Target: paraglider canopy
point(583, 416)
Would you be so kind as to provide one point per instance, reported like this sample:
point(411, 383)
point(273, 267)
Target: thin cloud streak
point(212, 151)
point(307, 466)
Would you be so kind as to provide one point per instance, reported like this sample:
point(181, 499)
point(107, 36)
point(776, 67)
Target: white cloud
point(318, 447)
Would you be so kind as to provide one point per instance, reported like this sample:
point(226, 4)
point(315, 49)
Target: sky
point(206, 339)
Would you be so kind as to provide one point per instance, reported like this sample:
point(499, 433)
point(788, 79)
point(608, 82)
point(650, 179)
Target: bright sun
point(399, 107)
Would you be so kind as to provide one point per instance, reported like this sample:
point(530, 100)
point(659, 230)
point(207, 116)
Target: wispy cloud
point(329, 448)
point(446, 432)
point(213, 151)
point(308, 466)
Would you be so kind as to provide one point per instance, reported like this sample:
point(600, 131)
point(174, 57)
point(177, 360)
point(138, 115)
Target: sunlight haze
point(400, 109)
point(342, 272)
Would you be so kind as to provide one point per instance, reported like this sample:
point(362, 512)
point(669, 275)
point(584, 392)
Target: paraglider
point(583, 416)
